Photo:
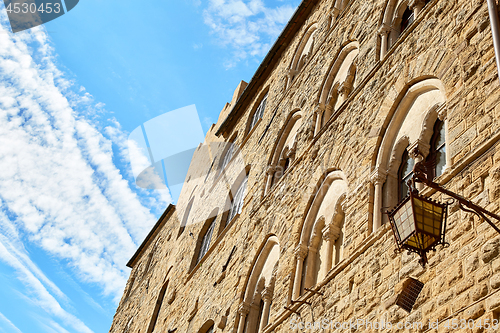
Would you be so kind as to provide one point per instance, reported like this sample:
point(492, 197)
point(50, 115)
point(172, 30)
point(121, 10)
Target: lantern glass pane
point(403, 219)
point(428, 217)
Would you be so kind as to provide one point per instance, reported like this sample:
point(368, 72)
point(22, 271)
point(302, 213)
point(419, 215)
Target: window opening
point(404, 174)
point(437, 155)
point(259, 113)
point(237, 202)
point(205, 242)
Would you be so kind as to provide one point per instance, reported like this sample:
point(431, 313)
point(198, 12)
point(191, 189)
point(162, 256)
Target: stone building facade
point(284, 201)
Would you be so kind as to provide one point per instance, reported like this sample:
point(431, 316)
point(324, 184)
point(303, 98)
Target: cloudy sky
point(71, 92)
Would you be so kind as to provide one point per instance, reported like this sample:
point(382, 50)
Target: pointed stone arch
point(323, 226)
point(254, 311)
point(338, 83)
point(284, 150)
point(409, 126)
point(303, 53)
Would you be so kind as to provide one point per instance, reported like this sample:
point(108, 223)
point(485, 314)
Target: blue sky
point(71, 92)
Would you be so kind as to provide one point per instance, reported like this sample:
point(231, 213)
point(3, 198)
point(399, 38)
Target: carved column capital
point(320, 108)
point(244, 309)
point(301, 251)
point(335, 12)
point(443, 114)
point(378, 177)
point(384, 29)
point(413, 4)
point(292, 72)
point(346, 88)
point(331, 232)
point(418, 148)
point(270, 170)
point(267, 294)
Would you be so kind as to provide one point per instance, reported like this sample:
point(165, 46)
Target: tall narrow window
point(407, 19)
point(437, 154)
point(205, 241)
point(404, 174)
point(237, 202)
point(157, 308)
point(228, 156)
point(259, 112)
point(210, 329)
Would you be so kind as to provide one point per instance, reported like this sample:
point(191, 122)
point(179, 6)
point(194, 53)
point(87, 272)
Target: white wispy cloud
point(247, 27)
point(9, 323)
point(59, 186)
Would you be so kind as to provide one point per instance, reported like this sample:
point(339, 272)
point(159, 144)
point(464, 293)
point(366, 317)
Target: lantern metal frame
point(418, 233)
point(420, 175)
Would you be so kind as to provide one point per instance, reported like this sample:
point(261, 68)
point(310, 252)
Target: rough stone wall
point(450, 41)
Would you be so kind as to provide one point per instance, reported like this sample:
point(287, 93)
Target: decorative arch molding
point(303, 53)
point(284, 150)
point(259, 288)
point(410, 126)
point(321, 238)
point(338, 83)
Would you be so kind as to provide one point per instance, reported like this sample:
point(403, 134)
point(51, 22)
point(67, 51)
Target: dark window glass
point(437, 154)
point(407, 19)
point(205, 242)
point(210, 329)
point(404, 174)
point(259, 112)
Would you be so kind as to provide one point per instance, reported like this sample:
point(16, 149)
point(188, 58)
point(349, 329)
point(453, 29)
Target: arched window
point(411, 125)
point(437, 154)
point(284, 151)
point(229, 151)
point(156, 311)
point(204, 239)
point(405, 173)
point(303, 53)
point(259, 112)
point(237, 201)
point(398, 16)
point(254, 312)
point(322, 235)
point(337, 85)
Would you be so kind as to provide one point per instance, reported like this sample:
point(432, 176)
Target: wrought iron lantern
point(419, 224)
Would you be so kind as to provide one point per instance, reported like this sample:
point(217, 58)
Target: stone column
point(300, 254)
point(319, 115)
point(416, 6)
point(383, 31)
point(267, 296)
point(378, 178)
point(243, 311)
point(270, 173)
point(346, 88)
point(330, 234)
